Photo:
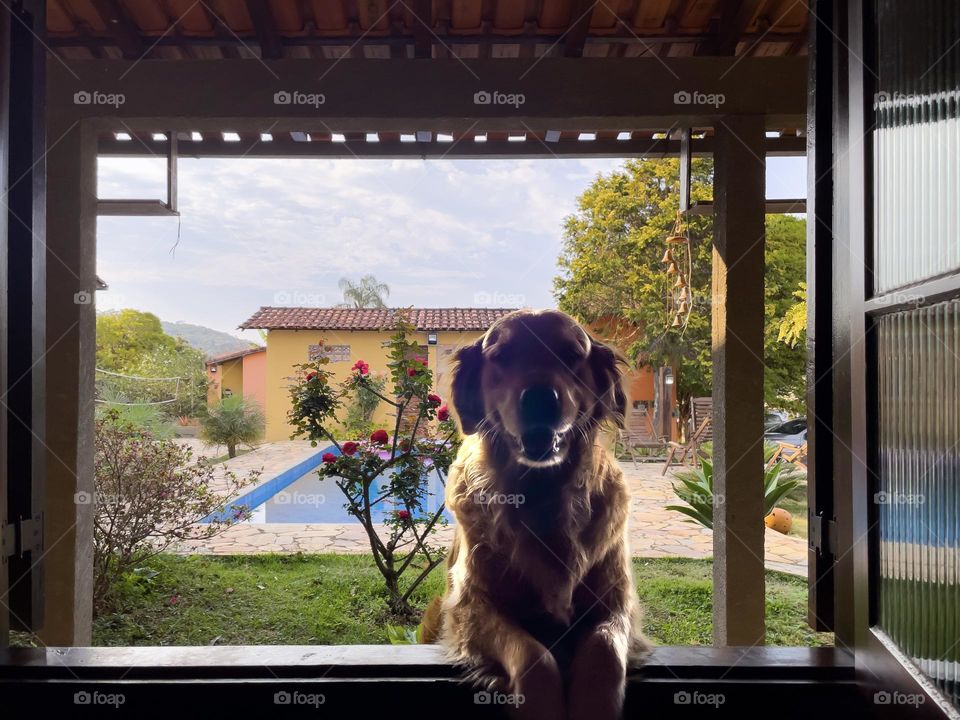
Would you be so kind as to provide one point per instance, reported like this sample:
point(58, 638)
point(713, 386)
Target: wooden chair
point(787, 452)
point(639, 433)
point(701, 420)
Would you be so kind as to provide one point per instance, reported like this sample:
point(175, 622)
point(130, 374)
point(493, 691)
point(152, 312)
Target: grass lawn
point(337, 599)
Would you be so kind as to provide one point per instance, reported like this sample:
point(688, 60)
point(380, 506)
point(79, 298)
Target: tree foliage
point(367, 293)
point(133, 343)
point(611, 269)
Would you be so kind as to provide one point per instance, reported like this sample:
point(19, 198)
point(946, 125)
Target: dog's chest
point(543, 564)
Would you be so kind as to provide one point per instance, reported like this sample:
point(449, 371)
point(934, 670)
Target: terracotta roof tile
point(424, 319)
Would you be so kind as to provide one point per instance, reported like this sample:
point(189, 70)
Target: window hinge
point(24, 537)
point(822, 533)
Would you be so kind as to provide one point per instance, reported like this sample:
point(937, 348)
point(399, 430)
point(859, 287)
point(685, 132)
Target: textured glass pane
point(919, 493)
point(917, 142)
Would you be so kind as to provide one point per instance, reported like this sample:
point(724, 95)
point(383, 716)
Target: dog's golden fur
point(540, 599)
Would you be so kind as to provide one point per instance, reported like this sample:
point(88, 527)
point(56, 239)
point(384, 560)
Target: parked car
point(792, 431)
point(772, 418)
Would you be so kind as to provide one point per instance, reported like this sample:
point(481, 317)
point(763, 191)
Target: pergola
point(434, 79)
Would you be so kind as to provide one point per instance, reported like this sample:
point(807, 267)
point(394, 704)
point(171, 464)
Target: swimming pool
point(298, 495)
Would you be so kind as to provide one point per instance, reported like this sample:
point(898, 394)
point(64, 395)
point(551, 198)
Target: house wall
point(255, 378)
point(286, 348)
point(231, 377)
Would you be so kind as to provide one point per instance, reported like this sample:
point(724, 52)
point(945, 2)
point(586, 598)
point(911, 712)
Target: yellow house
point(297, 334)
point(238, 373)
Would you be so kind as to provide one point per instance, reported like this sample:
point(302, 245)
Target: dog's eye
point(500, 356)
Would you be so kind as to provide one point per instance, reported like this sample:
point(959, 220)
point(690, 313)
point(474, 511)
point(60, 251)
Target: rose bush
point(386, 475)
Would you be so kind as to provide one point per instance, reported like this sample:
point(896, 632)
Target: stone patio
point(654, 531)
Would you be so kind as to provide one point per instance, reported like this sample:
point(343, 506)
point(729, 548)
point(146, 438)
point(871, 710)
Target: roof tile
point(423, 319)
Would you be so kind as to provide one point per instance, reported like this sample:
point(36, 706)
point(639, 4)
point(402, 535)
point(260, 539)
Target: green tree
point(123, 337)
point(610, 268)
point(233, 421)
point(793, 326)
point(367, 293)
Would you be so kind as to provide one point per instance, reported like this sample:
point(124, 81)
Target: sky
point(253, 232)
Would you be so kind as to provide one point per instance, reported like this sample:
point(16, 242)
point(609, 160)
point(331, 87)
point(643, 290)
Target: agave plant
point(695, 488)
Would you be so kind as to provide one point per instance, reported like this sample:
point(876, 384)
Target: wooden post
point(70, 365)
point(738, 269)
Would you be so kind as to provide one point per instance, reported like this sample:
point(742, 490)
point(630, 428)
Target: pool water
point(308, 499)
point(298, 495)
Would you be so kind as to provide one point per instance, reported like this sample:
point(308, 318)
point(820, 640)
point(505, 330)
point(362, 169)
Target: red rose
point(329, 458)
point(379, 437)
point(443, 413)
point(350, 447)
point(411, 371)
point(311, 376)
point(421, 360)
point(361, 367)
point(434, 398)
point(403, 514)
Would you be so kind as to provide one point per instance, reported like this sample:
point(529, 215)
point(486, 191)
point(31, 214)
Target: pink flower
point(403, 514)
point(350, 447)
point(361, 367)
point(174, 599)
point(443, 413)
point(434, 398)
point(329, 458)
point(411, 371)
point(421, 360)
point(379, 437)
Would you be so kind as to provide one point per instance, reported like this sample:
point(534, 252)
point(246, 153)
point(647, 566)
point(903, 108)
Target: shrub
point(696, 487)
point(233, 421)
point(148, 495)
point(404, 459)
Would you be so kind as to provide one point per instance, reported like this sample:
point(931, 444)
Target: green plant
point(233, 421)
point(148, 494)
point(696, 487)
point(360, 406)
point(385, 475)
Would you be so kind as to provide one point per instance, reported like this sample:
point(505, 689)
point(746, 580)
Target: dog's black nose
point(540, 406)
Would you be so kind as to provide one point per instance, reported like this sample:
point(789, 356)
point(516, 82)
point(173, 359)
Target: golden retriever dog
point(540, 602)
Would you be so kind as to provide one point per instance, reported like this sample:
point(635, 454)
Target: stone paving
point(654, 531)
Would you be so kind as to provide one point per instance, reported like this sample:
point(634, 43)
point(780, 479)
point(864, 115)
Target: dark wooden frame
point(411, 681)
point(879, 664)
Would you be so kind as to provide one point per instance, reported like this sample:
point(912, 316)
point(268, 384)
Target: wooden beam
point(266, 29)
point(134, 208)
point(735, 18)
point(777, 206)
point(422, 28)
point(282, 146)
point(738, 318)
point(121, 28)
point(552, 93)
point(579, 28)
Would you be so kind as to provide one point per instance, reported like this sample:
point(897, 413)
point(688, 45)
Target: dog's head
point(537, 381)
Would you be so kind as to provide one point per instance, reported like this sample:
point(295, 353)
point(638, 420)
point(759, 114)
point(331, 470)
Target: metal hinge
point(822, 533)
point(21, 538)
point(31, 535)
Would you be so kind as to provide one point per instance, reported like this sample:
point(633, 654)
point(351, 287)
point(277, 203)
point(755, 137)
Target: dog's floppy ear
point(467, 394)
point(606, 363)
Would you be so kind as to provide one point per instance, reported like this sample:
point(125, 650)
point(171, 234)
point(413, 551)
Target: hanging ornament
point(678, 257)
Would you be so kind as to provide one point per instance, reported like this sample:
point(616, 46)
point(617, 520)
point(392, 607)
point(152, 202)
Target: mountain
point(210, 341)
